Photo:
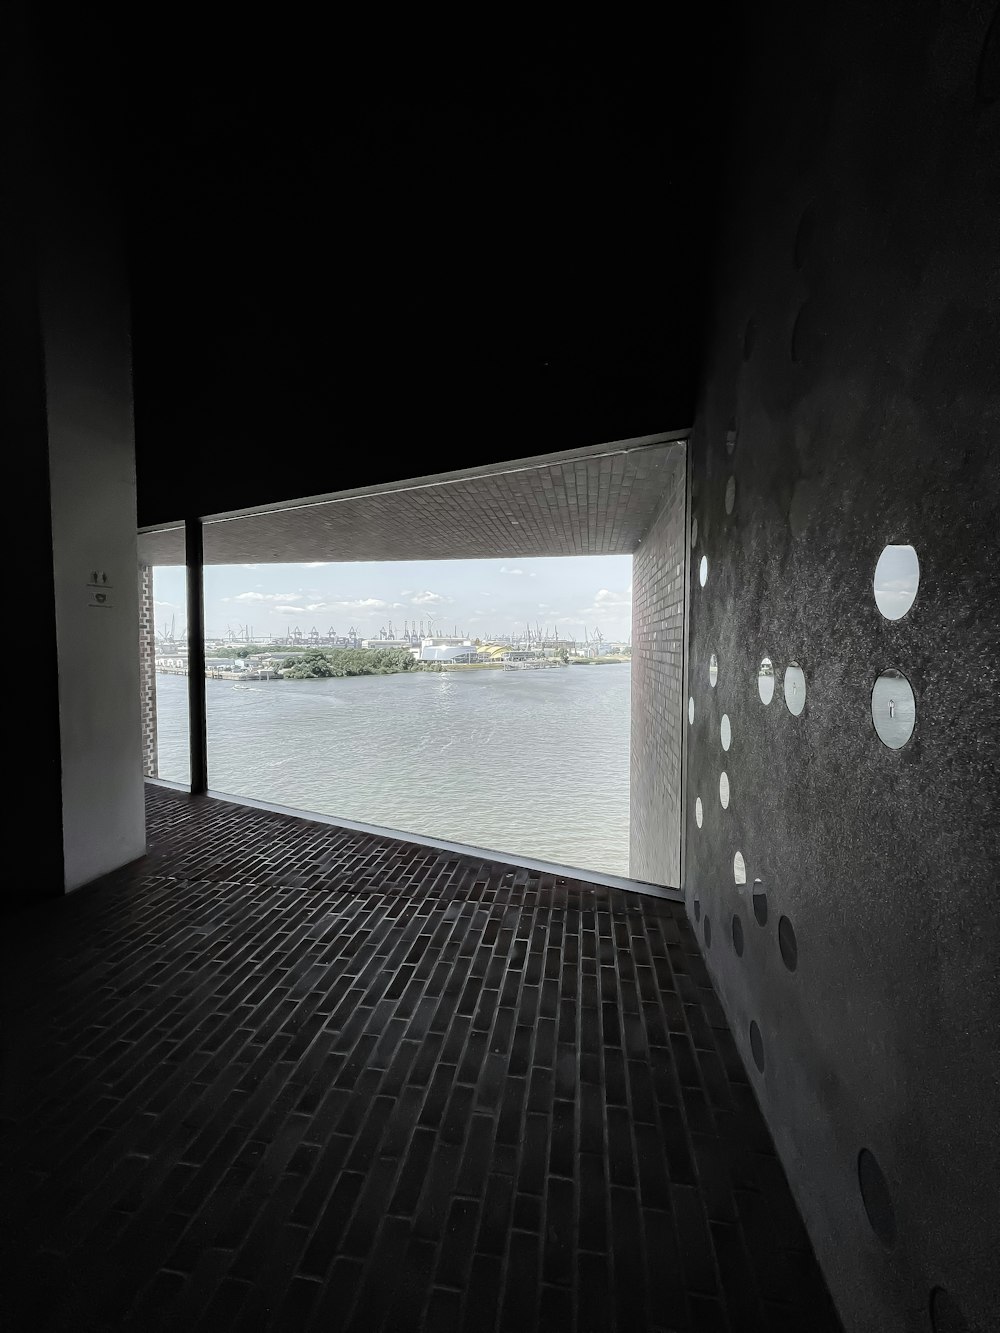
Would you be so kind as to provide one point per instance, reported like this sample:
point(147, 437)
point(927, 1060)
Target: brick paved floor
point(281, 1075)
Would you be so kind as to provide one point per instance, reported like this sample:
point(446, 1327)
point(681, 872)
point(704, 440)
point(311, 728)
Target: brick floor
point(279, 1075)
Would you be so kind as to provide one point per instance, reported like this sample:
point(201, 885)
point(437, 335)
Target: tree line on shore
point(316, 663)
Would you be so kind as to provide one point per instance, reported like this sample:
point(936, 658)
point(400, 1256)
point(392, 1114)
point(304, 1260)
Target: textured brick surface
point(280, 1075)
point(600, 505)
point(657, 692)
point(147, 670)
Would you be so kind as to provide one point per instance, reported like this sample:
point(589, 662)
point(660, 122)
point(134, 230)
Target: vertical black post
point(194, 559)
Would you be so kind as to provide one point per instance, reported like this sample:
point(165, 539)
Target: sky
point(481, 597)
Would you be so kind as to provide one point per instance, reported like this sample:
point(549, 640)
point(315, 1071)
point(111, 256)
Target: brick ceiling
point(598, 504)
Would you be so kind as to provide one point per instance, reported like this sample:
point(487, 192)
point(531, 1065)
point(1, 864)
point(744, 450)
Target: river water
point(535, 763)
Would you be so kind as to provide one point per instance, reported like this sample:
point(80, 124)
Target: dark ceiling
point(362, 251)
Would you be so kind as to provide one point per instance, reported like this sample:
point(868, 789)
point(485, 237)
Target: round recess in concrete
point(765, 680)
point(756, 1045)
point(713, 670)
point(730, 495)
point(795, 688)
point(759, 899)
point(724, 790)
point(703, 571)
point(725, 731)
point(691, 710)
point(737, 935)
point(897, 577)
point(876, 1197)
point(694, 531)
point(946, 1317)
point(697, 909)
point(707, 928)
point(699, 813)
point(894, 709)
point(739, 869)
point(749, 337)
point(787, 943)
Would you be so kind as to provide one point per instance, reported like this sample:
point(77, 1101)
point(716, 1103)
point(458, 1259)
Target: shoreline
point(422, 669)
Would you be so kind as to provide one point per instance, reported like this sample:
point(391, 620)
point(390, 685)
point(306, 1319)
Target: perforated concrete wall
point(658, 569)
point(844, 889)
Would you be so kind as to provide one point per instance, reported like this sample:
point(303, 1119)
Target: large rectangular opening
point(493, 659)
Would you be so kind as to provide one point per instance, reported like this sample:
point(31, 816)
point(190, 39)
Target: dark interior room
point(717, 289)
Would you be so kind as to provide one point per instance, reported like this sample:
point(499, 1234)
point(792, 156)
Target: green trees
point(319, 662)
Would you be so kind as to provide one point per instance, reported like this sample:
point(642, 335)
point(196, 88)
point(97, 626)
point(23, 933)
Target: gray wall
point(78, 303)
point(92, 476)
point(858, 346)
point(658, 570)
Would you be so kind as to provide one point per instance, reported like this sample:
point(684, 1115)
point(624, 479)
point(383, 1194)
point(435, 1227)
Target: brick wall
point(147, 670)
point(658, 581)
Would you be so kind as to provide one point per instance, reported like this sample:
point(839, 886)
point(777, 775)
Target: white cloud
point(265, 597)
point(361, 604)
point(288, 610)
point(428, 599)
point(170, 606)
point(505, 570)
point(609, 601)
point(312, 564)
point(250, 566)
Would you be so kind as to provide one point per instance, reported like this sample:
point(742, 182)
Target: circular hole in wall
point(765, 680)
point(691, 710)
point(804, 234)
point(795, 688)
point(876, 1198)
point(759, 897)
point(699, 813)
point(749, 338)
point(730, 495)
point(697, 909)
point(894, 710)
point(739, 869)
point(694, 531)
point(737, 936)
point(707, 928)
point(897, 577)
point(732, 435)
point(713, 670)
point(757, 1046)
point(703, 571)
point(787, 943)
point(724, 790)
point(725, 732)
point(946, 1317)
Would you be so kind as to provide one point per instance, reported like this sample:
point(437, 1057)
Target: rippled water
point(533, 763)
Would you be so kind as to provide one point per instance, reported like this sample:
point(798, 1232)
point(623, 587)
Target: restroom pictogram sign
point(99, 589)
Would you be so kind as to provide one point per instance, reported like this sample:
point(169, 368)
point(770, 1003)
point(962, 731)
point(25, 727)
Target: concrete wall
point(858, 348)
point(82, 310)
point(658, 581)
point(33, 787)
point(92, 478)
